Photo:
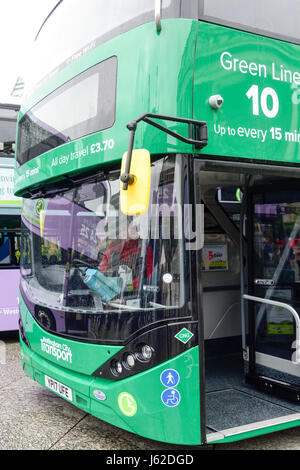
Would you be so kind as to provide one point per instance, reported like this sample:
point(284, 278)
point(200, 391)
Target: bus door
point(221, 264)
point(273, 295)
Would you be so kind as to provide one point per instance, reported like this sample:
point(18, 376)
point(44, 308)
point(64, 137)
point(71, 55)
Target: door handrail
point(287, 307)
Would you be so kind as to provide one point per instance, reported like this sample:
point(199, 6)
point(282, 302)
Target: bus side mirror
point(135, 199)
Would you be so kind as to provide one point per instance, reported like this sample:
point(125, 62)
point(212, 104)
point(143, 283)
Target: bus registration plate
point(59, 388)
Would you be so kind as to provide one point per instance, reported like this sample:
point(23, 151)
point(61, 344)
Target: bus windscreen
point(81, 255)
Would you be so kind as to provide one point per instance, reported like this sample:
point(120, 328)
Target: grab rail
point(275, 303)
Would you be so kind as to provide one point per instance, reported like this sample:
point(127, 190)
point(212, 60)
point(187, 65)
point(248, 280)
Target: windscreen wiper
point(66, 184)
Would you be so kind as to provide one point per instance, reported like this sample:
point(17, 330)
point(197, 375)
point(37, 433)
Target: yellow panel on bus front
point(135, 200)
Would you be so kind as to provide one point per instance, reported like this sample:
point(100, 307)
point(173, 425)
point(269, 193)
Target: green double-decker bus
point(158, 161)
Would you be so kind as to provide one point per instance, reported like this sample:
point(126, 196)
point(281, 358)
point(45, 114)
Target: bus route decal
point(264, 101)
point(87, 151)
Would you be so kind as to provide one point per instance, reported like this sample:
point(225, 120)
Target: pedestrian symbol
point(170, 397)
point(170, 378)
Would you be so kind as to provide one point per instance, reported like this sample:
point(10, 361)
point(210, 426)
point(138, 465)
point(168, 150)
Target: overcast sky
point(20, 21)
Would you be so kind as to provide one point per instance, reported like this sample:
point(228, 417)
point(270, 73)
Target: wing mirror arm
point(197, 133)
point(126, 177)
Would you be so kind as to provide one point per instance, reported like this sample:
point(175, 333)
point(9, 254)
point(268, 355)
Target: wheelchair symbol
point(170, 397)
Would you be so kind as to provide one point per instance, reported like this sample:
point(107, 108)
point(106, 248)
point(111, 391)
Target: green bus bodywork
point(173, 73)
point(167, 85)
point(152, 419)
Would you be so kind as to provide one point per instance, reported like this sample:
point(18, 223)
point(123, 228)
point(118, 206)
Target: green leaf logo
point(39, 206)
point(127, 404)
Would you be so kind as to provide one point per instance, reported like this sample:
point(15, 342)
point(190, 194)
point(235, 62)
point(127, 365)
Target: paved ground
point(32, 417)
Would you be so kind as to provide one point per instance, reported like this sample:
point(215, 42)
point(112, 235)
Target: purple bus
point(10, 221)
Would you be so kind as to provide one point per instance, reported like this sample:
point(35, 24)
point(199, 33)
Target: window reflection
point(276, 268)
point(277, 240)
point(81, 254)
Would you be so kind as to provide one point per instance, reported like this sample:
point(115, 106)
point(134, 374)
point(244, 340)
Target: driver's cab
point(250, 277)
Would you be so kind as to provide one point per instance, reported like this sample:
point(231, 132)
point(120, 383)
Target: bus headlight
point(129, 361)
point(116, 368)
point(140, 354)
point(119, 367)
point(145, 353)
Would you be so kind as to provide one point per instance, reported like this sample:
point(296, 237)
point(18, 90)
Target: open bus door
point(273, 296)
point(250, 298)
